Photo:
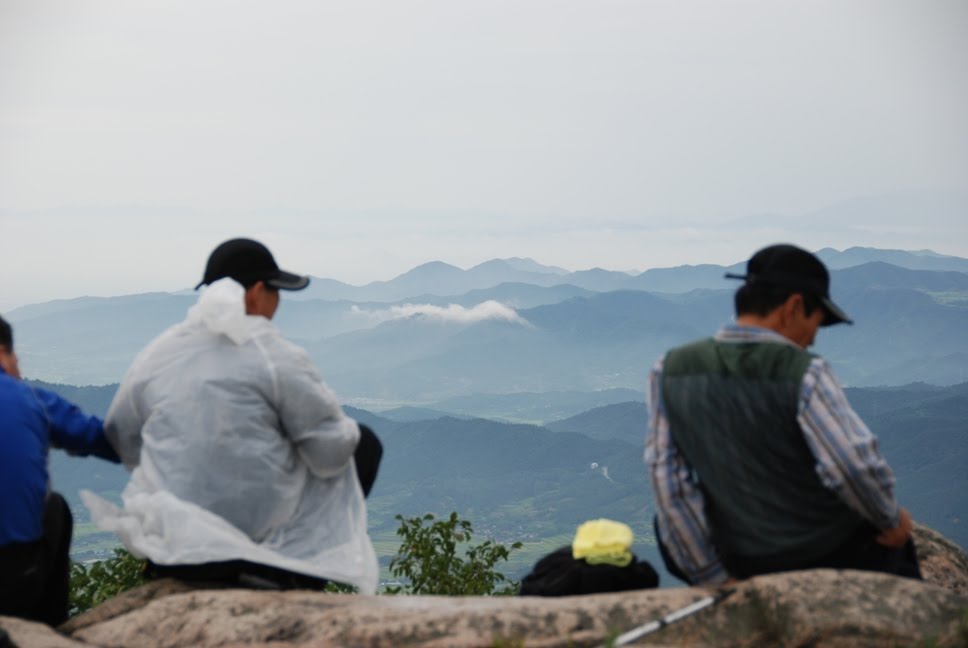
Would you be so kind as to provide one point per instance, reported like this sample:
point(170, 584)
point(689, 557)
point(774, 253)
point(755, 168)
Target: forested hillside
point(535, 484)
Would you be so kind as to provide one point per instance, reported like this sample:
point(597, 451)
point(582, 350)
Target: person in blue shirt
point(35, 522)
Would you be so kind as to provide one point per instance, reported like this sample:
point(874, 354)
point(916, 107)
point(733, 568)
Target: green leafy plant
point(435, 557)
point(438, 558)
point(92, 584)
point(340, 588)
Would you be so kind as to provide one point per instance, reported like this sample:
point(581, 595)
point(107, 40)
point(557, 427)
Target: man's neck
point(751, 319)
point(765, 322)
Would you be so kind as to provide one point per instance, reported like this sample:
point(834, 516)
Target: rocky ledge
point(808, 608)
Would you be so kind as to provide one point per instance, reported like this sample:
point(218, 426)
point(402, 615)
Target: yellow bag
point(603, 542)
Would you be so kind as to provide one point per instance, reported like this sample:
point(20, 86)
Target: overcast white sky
point(359, 138)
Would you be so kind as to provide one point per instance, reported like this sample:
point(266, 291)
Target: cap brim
point(288, 281)
point(833, 314)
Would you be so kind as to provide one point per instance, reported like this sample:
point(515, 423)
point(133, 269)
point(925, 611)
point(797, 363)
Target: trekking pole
point(653, 626)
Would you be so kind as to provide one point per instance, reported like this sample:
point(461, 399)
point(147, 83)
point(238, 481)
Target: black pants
point(243, 573)
point(34, 576)
point(367, 458)
point(860, 551)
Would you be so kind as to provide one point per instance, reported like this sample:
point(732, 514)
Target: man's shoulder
point(696, 346)
point(689, 353)
point(15, 392)
point(272, 339)
point(19, 409)
point(9, 384)
point(714, 354)
point(281, 352)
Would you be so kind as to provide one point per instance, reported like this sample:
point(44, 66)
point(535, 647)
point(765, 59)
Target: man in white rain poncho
point(244, 469)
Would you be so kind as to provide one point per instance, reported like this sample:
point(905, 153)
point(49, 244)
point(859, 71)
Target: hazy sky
point(359, 139)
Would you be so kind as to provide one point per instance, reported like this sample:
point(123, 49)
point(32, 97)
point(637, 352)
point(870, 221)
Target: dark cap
point(787, 266)
point(6, 335)
point(248, 262)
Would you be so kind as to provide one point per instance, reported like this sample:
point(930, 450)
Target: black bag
point(558, 574)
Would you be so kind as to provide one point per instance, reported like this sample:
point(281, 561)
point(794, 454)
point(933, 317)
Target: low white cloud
point(486, 311)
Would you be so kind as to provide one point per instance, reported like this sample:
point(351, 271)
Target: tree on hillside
point(430, 560)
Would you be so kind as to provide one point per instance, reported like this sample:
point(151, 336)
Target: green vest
point(732, 410)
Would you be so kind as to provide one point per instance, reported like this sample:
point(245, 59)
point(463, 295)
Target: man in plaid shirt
point(757, 461)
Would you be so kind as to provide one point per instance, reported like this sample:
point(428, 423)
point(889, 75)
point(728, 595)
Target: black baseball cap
point(787, 266)
point(248, 262)
point(6, 335)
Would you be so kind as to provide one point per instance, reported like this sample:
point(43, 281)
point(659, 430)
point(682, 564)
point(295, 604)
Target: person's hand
point(899, 535)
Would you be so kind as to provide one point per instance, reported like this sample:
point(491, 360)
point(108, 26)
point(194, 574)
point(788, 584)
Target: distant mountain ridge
point(910, 259)
point(524, 337)
point(880, 274)
point(625, 421)
point(439, 278)
point(442, 279)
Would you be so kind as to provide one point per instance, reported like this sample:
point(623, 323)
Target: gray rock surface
point(27, 634)
point(820, 607)
point(809, 608)
point(942, 562)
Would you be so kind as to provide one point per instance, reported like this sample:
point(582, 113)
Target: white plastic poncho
point(238, 451)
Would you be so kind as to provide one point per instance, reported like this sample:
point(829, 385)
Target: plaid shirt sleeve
point(679, 502)
point(848, 461)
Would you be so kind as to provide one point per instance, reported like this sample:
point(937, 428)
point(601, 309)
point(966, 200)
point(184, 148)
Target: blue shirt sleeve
point(72, 430)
